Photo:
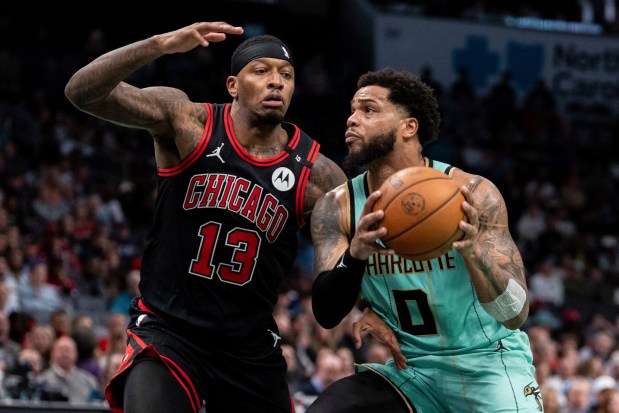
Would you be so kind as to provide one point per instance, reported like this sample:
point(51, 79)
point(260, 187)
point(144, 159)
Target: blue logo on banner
point(480, 61)
point(524, 62)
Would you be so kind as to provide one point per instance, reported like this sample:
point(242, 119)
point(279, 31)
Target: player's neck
point(380, 170)
point(263, 140)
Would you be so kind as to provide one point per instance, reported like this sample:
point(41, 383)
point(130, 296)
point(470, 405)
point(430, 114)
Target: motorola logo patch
point(283, 179)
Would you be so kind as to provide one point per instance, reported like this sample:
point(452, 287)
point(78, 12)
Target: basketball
point(423, 208)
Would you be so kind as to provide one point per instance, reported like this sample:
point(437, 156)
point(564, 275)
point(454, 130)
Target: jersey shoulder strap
point(440, 166)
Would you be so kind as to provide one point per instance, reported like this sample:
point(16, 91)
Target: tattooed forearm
point(326, 230)
point(501, 262)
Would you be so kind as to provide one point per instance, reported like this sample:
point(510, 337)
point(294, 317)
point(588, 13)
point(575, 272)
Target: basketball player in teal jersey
point(456, 317)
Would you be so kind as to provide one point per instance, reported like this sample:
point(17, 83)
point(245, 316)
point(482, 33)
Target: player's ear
point(231, 86)
point(411, 126)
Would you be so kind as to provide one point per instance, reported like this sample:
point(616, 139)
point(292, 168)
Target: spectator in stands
point(600, 343)
point(602, 389)
point(108, 209)
point(50, 204)
point(546, 285)
point(5, 294)
point(610, 403)
point(566, 372)
point(64, 378)
point(578, 395)
point(530, 225)
point(302, 326)
point(83, 320)
point(296, 373)
point(16, 273)
point(329, 368)
point(41, 338)
point(115, 341)
point(122, 301)
point(20, 381)
point(348, 360)
point(37, 297)
point(32, 358)
point(60, 322)
point(9, 349)
point(377, 352)
point(553, 400)
point(86, 343)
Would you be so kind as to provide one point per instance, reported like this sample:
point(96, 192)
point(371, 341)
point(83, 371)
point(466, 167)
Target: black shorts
point(247, 375)
point(365, 392)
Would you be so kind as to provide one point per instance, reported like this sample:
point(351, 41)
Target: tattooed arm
point(325, 176)
point(490, 253)
point(98, 89)
point(338, 264)
point(338, 276)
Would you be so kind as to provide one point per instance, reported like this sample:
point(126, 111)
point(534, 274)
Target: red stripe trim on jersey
point(303, 178)
point(137, 339)
point(197, 152)
point(184, 381)
point(313, 152)
point(296, 137)
point(292, 410)
point(143, 306)
point(238, 148)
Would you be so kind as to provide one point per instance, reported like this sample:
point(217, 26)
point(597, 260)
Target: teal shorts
point(498, 379)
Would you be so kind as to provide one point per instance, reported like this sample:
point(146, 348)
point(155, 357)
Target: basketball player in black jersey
point(235, 183)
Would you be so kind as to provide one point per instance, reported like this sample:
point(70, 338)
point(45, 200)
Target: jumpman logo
point(276, 338)
point(216, 153)
point(341, 263)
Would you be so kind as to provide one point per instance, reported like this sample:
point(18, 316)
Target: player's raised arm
point(491, 255)
point(99, 90)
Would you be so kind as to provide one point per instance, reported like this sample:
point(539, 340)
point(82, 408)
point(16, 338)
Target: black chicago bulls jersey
point(225, 230)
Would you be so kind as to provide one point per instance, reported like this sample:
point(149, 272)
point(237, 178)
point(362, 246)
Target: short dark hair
point(410, 92)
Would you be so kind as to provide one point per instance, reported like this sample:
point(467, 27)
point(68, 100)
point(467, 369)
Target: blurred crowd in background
point(77, 197)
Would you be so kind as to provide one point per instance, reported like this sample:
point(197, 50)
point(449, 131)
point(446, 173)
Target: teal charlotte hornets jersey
point(459, 358)
point(431, 304)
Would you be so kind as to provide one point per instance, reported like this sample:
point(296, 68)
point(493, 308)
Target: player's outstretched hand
point(371, 323)
point(197, 34)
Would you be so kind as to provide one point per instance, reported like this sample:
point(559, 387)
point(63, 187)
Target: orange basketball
point(423, 208)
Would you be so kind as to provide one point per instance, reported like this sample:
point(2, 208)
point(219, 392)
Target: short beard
point(270, 118)
point(378, 147)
